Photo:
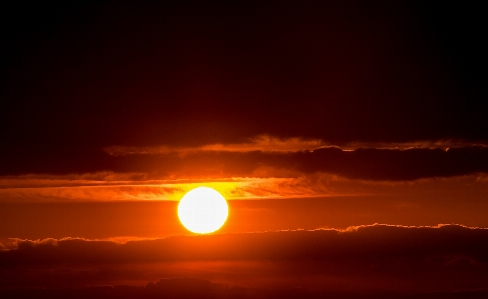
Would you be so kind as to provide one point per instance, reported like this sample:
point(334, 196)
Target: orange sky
point(40, 208)
point(354, 128)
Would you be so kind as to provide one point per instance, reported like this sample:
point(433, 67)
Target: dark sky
point(77, 76)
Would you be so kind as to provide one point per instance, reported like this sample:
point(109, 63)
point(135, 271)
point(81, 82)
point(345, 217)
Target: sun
point(203, 210)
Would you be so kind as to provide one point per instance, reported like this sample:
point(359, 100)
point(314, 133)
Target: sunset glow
point(243, 149)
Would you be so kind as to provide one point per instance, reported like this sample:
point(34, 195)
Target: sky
point(348, 137)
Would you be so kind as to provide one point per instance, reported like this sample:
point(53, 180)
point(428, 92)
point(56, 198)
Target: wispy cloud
point(261, 143)
point(273, 184)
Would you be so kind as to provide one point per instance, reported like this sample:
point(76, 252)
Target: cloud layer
point(367, 164)
point(377, 257)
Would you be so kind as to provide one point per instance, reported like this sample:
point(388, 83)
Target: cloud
point(445, 257)
point(188, 287)
point(72, 179)
point(286, 157)
point(265, 182)
point(260, 143)
point(367, 164)
point(65, 188)
point(90, 193)
point(266, 143)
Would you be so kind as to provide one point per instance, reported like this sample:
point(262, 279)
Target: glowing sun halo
point(203, 210)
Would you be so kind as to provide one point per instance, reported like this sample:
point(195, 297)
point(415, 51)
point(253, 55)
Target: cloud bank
point(377, 257)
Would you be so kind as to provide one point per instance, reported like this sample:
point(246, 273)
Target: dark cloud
point(197, 288)
point(367, 163)
point(384, 257)
point(385, 164)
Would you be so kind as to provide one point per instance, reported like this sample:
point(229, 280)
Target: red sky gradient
point(348, 137)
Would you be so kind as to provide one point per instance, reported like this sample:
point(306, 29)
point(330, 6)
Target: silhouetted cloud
point(265, 143)
point(377, 257)
point(361, 163)
point(189, 288)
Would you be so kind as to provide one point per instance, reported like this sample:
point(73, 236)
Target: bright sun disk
point(203, 210)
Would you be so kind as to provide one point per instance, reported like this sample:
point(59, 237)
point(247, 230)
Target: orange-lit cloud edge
point(45, 188)
point(327, 259)
point(266, 143)
point(262, 182)
point(8, 244)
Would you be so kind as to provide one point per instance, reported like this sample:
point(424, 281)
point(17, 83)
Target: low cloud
point(445, 258)
point(188, 287)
